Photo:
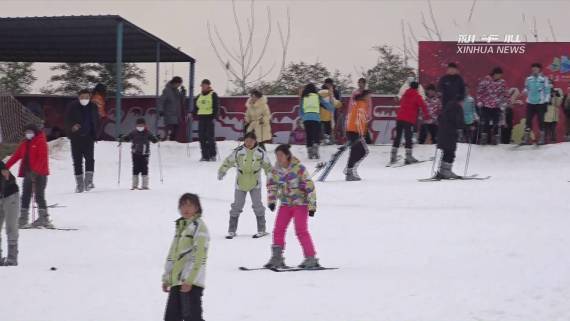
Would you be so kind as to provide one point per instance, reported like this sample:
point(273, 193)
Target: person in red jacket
point(410, 103)
point(34, 168)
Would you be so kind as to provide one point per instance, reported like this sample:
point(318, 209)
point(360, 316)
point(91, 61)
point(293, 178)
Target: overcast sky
point(338, 33)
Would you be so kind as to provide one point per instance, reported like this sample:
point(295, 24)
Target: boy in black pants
point(451, 122)
point(140, 149)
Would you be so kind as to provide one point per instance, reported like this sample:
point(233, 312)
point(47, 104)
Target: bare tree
point(244, 64)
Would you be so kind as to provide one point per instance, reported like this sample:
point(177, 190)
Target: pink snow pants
point(301, 216)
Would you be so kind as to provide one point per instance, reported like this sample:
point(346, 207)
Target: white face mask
point(140, 129)
point(29, 136)
point(84, 102)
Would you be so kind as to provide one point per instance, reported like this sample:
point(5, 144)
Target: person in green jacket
point(185, 269)
point(249, 159)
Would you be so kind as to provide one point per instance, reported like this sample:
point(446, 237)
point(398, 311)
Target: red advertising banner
point(229, 125)
point(476, 60)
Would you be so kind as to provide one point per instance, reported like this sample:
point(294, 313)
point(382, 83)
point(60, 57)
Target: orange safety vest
point(357, 121)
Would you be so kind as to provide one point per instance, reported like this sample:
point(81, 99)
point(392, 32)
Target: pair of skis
point(473, 177)
point(396, 165)
point(287, 269)
point(329, 165)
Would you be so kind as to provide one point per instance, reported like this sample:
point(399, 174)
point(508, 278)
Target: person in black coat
point(81, 123)
point(451, 88)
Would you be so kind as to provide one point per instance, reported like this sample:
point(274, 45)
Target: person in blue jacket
point(309, 110)
point(537, 91)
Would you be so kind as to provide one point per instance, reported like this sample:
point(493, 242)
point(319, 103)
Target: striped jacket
point(186, 261)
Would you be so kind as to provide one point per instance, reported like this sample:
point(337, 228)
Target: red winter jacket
point(410, 103)
point(38, 155)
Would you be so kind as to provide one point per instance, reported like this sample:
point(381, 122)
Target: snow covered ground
point(439, 251)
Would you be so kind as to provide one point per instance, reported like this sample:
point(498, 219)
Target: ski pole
point(468, 157)
point(160, 164)
point(434, 162)
point(34, 200)
point(120, 161)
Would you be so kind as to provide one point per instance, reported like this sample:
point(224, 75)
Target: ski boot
point(89, 181)
point(277, 260)
point(231, 235)
point(526, 137)
point(394, 155)
point(310, 263)
point(445, 171)
point(541, 139)
point(145, 182)
point(484, 138)
point(24, 220)
point(260, 227)
point(495, 140)
point(409, 158)
point(310, 152)
point(351, 175)
point(79, 184)
point(232, 227)
point(43, 220)
point(12, 258)
point(316, 154)
point(135, 185)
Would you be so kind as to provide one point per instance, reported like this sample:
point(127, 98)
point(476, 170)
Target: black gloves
point(312, 213)
point(271, 207)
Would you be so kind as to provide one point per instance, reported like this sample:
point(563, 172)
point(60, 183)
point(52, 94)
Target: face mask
point(29, 136)
point(140, 129)
point(84, 102)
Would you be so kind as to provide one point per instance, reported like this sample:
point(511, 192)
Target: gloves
point(312, 213)
point(220, 176)
point(161, 114)
point(271, 207)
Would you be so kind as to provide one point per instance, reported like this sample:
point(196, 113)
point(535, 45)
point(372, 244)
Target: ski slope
point(440, 251)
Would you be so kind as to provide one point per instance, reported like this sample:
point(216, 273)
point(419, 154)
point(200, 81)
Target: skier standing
point(258, 117)
point(310, 107)
point(34, 168)
point(141, 138)
point(9, 207)
point(356, 129)
point(170, 106)
point(410, 104)
point(537, 90)
point(452, 89)
point(492, 94)
point(330, 93)
point(249, 160)
point(291, 185)
point(185, 268)
point(429, 123)
point(207, 106)
point(81, 122)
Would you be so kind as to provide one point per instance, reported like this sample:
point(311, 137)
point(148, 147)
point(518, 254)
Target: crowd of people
point(445, 113)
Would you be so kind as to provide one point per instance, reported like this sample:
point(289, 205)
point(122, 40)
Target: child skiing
point(470, 117)
point(34, 168)
point(185, 269)
point(429, 124)
point(356, 129)
point(9, 207)
point(406, 118)
point(249, 159)
point(290, 184)
point(140, 150)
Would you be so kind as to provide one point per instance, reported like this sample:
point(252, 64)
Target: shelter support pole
point(157, 85)
point(191, 98)
point(119, 78)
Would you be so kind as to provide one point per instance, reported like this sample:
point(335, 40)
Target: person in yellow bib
point(207, 106)
point(310, 112)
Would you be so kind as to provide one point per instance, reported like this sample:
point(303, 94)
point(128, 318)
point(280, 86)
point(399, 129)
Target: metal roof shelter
point(88, 39)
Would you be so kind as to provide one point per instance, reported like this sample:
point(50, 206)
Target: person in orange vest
point(356, 129)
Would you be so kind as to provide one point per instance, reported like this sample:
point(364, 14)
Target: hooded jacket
point(35, 152)
point(258, 119)
point(292, 186)
point(249, 163)
point(186, 260)
point(410, 104)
